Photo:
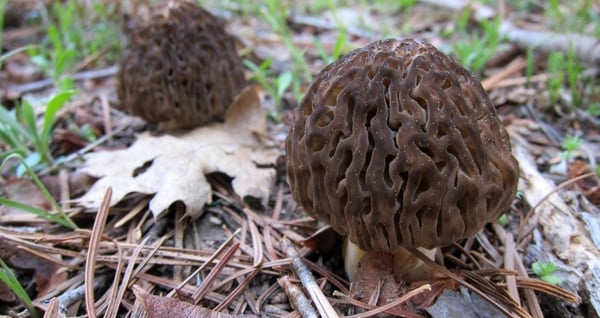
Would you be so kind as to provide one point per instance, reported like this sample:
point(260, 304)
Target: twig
point(299, 301)
point(585, 48)
point(19, 90)
point(74, 295)
point(309, 282)
point(513, 67)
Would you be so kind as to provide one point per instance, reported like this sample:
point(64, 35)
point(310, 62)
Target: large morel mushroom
point(180, 69)
point(397, 145)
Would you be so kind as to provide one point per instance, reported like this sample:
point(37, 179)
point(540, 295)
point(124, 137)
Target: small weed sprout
point(19, 129)
point(570, 146)
point(503, 220)
point(545, 271)
point(62, 218)
point(275, 86)
point(340, 46)
point(76, 37)
point(594, 109)
point(556, 79)
point(475, 50)
point(274, 13)
point(559, 68)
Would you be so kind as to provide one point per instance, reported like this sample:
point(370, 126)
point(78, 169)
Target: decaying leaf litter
point(233, 259)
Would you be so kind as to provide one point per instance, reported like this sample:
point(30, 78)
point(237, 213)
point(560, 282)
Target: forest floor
point(102, 214)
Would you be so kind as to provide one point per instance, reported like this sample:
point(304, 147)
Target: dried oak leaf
point(159, 307)
point(173, 167)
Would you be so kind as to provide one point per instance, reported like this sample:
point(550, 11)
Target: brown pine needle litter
point(253, 268)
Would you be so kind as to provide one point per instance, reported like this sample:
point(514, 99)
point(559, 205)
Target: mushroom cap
point(396, 144)
point(180, 67)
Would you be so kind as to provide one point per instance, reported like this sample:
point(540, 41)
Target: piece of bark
point(564, 234)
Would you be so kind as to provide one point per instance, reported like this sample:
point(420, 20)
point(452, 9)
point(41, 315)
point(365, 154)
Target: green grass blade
point(9, 278)
point(54, 105)
point(14, 128)
point(26, 114)
point(33, 210)
point(42, 188)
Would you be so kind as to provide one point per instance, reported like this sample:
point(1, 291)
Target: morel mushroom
point(396, 145)
point(180, 68)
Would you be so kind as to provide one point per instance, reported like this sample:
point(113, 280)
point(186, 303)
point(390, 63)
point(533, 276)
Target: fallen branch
point(585, 48)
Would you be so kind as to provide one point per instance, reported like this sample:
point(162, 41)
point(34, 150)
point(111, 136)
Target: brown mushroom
point(180, 69)
point(397, 145)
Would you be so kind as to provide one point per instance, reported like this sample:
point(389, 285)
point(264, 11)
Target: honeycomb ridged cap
point(180, 67)
point(396, 144)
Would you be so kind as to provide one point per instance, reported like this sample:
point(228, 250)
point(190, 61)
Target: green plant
point(594, 109)
point(2, 6)
point(475, 50)
point(20, 131)
point(8, 277)
point(556, 79)
point(62, 218)
point(274, 13)
point(503, 220)
point(545, 270)
point(575, 17)
point(574, 69)
point(274, 85)
point(570, 146)
point(530, 65)
point(77, 32)
point(559, 68)
point(340, 46)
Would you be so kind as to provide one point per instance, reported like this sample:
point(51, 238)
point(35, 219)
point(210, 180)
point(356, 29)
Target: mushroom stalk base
point(406, 266)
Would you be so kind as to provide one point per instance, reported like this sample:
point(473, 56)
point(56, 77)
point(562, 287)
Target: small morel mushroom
point(396, 145)
point(180, 68)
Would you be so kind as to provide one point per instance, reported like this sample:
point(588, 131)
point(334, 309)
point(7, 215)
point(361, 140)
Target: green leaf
point(502, 220)
point(54, 105)
point(39, 212)
point(551, 279)
point(27, 115)
point(42, 188)
point(9, 278)
point(283, 82)
point(13, 127)
point(543, 268)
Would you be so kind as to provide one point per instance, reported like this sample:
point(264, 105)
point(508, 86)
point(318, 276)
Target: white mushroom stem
point(408, 266)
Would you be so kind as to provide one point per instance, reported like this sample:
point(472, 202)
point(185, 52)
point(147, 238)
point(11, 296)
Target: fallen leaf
point(158, 307)
point(173, 167)
point(589, 186)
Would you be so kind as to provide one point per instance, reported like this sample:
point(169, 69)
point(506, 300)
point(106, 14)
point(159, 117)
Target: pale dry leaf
point(173, 167)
